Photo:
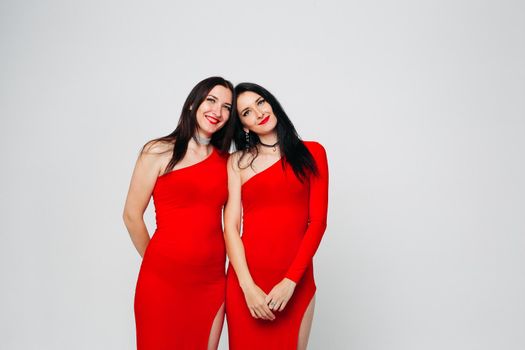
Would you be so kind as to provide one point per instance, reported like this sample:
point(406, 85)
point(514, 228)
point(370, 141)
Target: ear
point(191, 107)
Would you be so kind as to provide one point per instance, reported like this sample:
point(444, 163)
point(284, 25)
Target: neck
point(269, 139)
point(268, 144)
point(199, 147)
point(201, 138)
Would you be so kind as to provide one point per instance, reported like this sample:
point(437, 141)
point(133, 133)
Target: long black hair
point(293, 150)
point(187, 125)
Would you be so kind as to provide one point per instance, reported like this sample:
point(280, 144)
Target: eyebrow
point(244, 110)
point(215, 97)
point(256, 101)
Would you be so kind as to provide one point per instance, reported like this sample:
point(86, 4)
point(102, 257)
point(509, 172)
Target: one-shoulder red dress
point(181, 284)
point(283, 222)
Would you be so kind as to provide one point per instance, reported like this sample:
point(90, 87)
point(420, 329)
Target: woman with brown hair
point(179, 297)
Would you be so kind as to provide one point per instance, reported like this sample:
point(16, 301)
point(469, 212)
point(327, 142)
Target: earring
point(247, 136)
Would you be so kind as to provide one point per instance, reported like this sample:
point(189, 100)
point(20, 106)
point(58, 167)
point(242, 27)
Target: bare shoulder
point(240, 160)
point(155, 156)
point(233, 161)
point(157, 147)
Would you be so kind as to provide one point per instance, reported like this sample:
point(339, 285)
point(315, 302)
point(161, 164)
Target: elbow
point(227, 233)
point(318, 225)
point(125, 217)
point(128, 217)
point(322, 227)
point(230, 232)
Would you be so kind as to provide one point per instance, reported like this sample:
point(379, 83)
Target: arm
point(318, 206)
point(255, 297)
point(142, 182)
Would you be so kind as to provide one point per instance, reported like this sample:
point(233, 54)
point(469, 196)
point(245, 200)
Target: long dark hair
point(293, 150)
point(187, 124)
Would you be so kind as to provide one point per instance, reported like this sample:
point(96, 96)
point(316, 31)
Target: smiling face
point(255, 113)
point(214, 111)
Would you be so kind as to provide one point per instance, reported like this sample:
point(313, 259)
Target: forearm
point(237, 257)
point(307, 249)
point(138, 233)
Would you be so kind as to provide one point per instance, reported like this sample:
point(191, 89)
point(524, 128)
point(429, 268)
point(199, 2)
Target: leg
point(216, 329)
point(306, 325)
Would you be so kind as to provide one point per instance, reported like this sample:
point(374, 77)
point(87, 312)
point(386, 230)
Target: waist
point(204, 220)
point(188, 247)
point(281, 223)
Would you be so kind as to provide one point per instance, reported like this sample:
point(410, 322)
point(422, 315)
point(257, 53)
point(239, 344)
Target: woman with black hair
point(179, 297)
point(278, 189)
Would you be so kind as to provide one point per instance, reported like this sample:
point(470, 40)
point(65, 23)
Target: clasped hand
point(261, 304)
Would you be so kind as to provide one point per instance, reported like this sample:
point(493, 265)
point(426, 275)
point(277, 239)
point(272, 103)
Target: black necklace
point(270, 146)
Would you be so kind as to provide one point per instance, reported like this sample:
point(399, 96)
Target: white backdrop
point(420, 105)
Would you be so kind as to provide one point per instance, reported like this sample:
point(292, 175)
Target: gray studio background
point(420, 105)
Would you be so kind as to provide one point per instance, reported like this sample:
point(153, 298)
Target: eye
point(261, 102)
point(245, 113)
point(210, 99)
point(229, 108)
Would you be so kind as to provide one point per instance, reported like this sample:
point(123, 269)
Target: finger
point(271, 305)
point(278, 305)
point(264, 314)
point(261, 313)
point(268, 312)
point(283, 305)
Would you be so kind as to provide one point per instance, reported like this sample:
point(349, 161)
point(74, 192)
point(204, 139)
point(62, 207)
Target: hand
point(280, 294)
point(255, 299)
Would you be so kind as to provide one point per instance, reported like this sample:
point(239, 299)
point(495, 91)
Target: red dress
point(181, 284)
point(283, 222)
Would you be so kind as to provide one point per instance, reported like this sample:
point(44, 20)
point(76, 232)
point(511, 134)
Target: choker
point(270, 146)
point(202, 140)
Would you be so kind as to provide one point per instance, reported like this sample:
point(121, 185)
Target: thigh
point(306, 326)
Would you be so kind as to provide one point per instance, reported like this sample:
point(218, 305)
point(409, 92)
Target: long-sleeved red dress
point(181, 284)
point(283, 222)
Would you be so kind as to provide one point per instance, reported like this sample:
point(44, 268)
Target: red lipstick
point(264, 121)
point(212, 119)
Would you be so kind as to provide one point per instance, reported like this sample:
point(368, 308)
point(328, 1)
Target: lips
point(212, 120)
point(265, 120)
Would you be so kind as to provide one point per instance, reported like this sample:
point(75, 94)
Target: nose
point(258, 113)
point(217, 109)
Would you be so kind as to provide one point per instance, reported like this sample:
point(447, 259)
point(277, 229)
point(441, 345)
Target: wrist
point(246, 284)
point(290, 282)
